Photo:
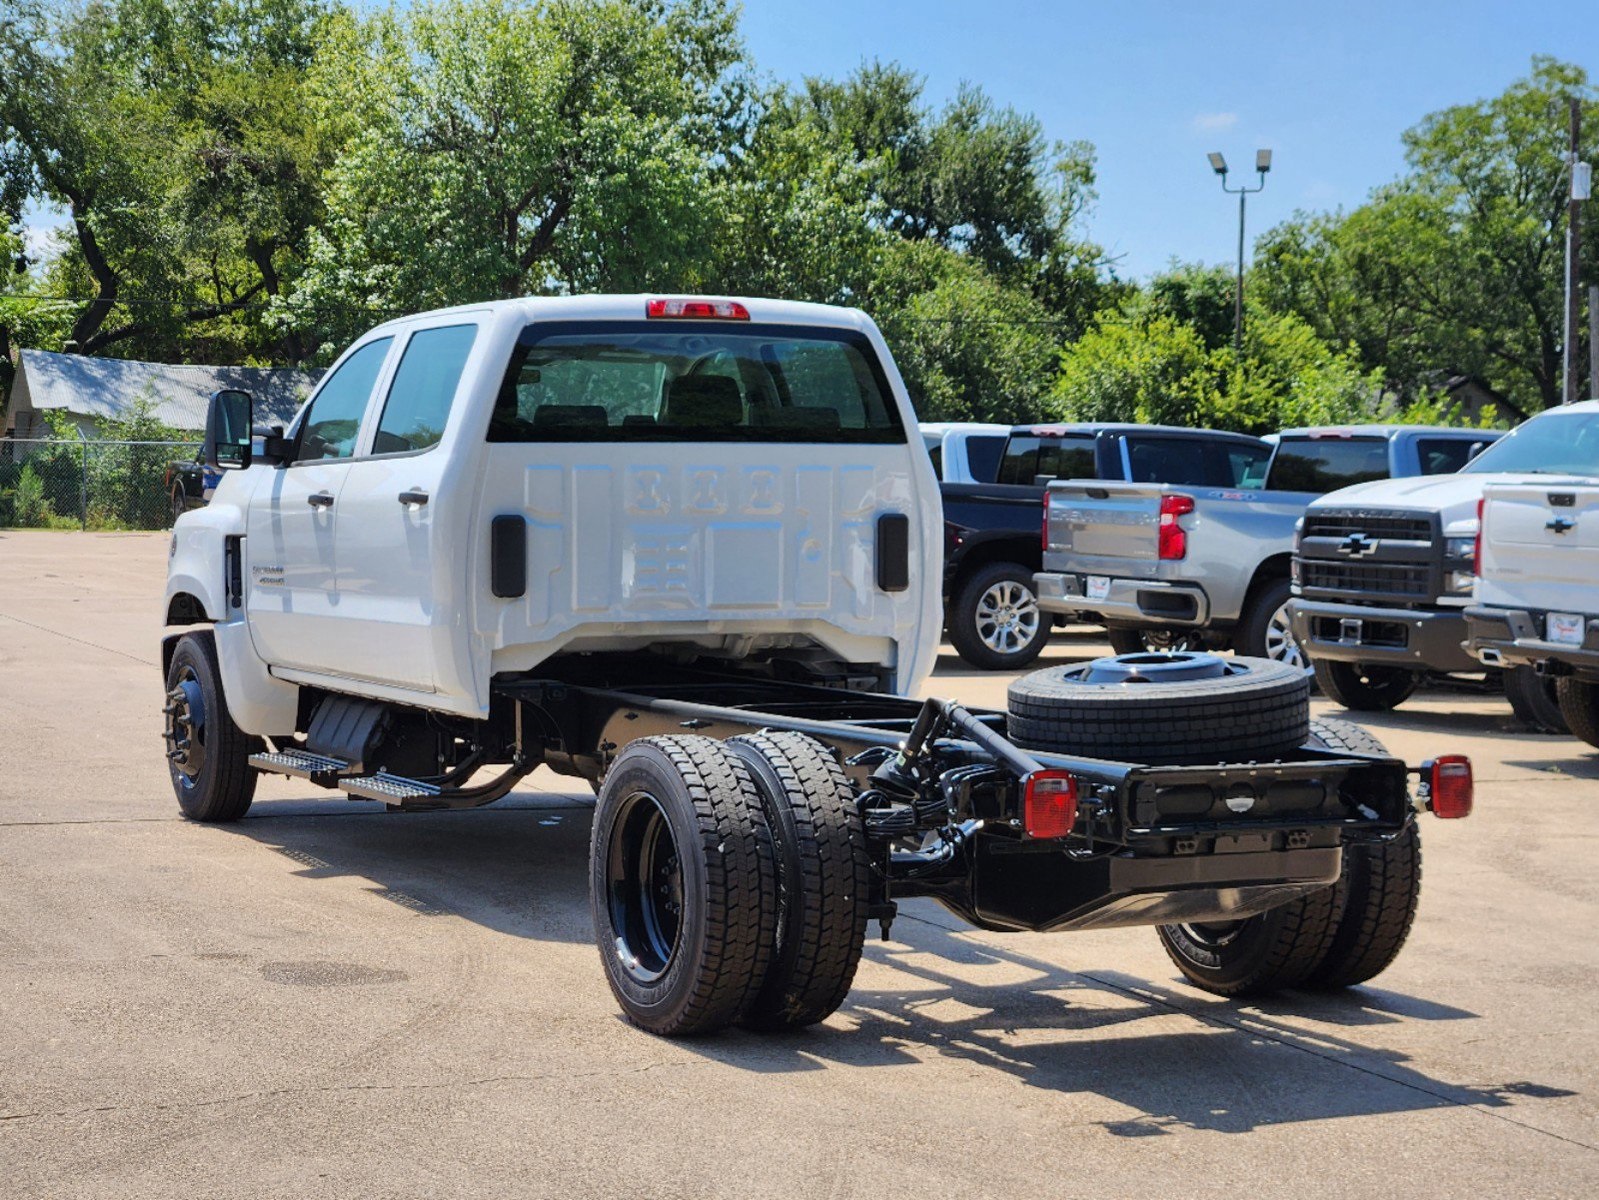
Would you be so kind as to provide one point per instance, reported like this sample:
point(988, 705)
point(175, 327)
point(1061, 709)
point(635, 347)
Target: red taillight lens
point(1476, 547)
point(1049, 804)
point(1173, 538)
point(697, 310)
point(1043, 533)
point(1449, 787)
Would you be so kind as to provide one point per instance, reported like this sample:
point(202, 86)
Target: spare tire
point(1163, 708)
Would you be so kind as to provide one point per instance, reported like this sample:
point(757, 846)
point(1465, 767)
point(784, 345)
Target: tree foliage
point(1456, 268)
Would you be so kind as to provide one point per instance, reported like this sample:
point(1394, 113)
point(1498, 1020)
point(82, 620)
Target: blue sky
point(1328, 87)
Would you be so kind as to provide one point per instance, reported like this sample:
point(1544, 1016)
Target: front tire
point(1534, 700)
point(682, 885)
point(1264, 630)
point(995, 623)
point(1365, 688)
point(207, 754)
point(1579, 704)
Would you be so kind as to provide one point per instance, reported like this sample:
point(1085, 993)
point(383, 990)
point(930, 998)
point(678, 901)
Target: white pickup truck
point(688, 549)
point(1536, 600)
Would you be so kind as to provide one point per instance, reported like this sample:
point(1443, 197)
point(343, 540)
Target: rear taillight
point(1043, 532)
point(1449, 786)
point(1173, 538)
point(697, 310)
point(1049, 804)
point(1476, 546)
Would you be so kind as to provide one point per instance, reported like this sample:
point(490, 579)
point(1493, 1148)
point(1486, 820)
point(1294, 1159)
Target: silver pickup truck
point(1177, 567)
point(1183, 567)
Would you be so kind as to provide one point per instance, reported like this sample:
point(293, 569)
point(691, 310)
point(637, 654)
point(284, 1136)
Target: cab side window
point(333, 423)
point(424, 385)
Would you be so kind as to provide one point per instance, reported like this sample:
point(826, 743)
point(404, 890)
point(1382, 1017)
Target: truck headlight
point(1460, 578)
point(1460, 547)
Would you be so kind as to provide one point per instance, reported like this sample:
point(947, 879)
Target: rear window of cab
point(693, 381)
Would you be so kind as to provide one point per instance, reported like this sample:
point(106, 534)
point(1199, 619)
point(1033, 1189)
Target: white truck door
point(399, 602)
point(292, 592)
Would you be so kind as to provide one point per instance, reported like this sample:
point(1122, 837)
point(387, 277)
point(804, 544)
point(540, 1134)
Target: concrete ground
point(327, 999)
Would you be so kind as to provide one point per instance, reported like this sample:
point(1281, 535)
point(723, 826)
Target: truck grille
point(1363, 556)
point(1388, 580)
point(1399, 526)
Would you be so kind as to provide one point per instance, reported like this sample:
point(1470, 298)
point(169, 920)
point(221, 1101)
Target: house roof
point(105, 387)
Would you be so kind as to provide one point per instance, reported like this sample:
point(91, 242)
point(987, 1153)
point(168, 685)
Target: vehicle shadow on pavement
point(519, 867)
point(1178, 1061)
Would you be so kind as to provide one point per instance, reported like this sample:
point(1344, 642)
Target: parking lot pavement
point(326, 999)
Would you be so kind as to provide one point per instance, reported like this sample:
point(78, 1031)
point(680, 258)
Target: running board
point(394, 789)
point(320, 769)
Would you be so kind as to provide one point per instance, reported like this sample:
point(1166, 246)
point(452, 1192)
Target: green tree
point(497, 148)
point(1455, 269)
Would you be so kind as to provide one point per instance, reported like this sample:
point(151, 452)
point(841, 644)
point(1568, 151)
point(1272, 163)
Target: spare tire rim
point(1281, 644)
point(1007, 617)
point(1177, 667)
point(644, 887)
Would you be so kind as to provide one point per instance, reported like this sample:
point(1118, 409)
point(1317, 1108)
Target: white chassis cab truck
point(688, 550)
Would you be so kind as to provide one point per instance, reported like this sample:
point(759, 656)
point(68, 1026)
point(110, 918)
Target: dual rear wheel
point(729, 882)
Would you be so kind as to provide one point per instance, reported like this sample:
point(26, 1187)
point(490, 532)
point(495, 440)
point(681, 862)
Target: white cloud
point(1212, 122)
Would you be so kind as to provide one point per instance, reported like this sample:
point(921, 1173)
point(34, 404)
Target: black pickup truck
point(993, 530)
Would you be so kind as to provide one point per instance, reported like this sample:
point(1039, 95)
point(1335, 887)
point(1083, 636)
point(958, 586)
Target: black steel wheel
point(1365, 688)
point(823, 878)
point(994, 619)
point(207, 754)
point(682, 885)
point(1534, 701)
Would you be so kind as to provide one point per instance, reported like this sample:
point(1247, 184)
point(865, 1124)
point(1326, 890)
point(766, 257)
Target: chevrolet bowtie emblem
point(1356, 545)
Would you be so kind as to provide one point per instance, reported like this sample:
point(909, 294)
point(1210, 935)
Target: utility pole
point(1578, 193)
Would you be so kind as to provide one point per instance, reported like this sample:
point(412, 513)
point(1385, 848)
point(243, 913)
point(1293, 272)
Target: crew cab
point(964, 451)
point(1383, 576)
point(1535, 603)
point(686, 549)
point(1325, 458)
point(991, 529)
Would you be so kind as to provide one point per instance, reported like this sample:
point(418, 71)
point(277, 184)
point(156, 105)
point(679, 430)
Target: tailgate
point(1540, 546)
point(1104, 528)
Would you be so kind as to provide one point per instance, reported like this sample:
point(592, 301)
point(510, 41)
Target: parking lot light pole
point(1218, 164)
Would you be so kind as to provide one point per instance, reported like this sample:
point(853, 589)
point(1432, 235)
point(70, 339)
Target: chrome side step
point(395, 789)
point(318, 768)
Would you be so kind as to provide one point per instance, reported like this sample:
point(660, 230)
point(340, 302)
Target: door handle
point(320, 500)
point(414, 496)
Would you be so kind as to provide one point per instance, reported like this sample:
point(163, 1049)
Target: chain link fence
point(92, 484)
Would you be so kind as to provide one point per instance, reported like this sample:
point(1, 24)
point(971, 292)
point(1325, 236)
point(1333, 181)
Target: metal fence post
point(83, 489)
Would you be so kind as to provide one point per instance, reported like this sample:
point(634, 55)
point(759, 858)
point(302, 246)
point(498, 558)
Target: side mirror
point(228, 429)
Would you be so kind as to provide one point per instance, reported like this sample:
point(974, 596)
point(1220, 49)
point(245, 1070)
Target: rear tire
point(207, 754)
point(994, 621)
point(1377, 891)
point(1579, 704)
point(1534, 700)
point(823, 879)
point(682, 885)
point(1258, 955)
point(1365, 688)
